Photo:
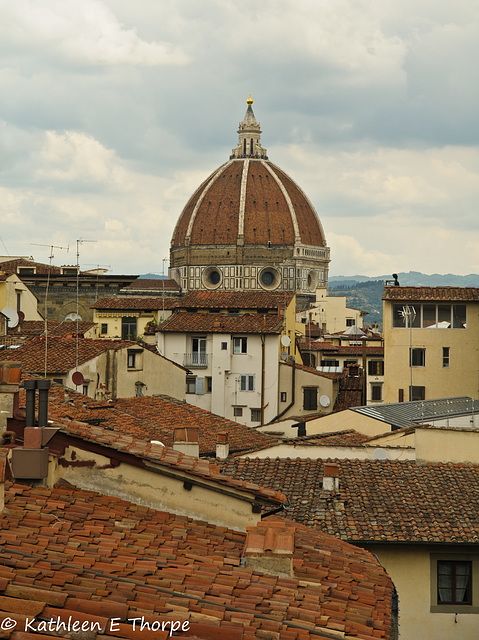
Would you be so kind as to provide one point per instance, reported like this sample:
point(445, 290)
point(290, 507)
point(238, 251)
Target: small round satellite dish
point(157, 442)
point(380, 454)
point(73, 317)
point(285, 341)
point(21, 316)
point(284, 356)
point(324, 401)
point(78, 378)
point(12, 316)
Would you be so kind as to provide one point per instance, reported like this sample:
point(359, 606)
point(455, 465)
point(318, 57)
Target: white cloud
point(86, 32)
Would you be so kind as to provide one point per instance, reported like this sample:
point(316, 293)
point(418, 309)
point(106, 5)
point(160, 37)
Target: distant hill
point(363, 292)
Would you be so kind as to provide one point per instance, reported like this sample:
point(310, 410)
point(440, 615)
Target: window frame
point(374, 388)
point(255, 415)
point(417, 354)
point(308, 391)
point(247, 382)
point(446, 357)
point(414, 389)
point(240, 345)
point(472, 606)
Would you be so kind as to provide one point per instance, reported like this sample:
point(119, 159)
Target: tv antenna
point(52, 246)
point(78, 243)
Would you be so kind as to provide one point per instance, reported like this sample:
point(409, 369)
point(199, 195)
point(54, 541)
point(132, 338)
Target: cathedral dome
point(250, 215)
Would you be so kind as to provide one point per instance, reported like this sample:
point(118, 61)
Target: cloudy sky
point(112, 112)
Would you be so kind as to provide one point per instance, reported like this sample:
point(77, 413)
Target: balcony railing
point(196, 360)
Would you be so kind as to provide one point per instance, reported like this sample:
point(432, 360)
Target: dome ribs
point(216, 220)
point(267, 216)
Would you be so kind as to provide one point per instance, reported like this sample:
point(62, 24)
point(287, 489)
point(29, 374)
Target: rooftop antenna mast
point(78, 243)
point(52, 246)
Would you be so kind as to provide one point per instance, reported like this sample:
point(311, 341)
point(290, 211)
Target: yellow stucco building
point(431, 346)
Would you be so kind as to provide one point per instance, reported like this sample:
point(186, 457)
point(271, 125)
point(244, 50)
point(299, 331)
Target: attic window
point(26, 271)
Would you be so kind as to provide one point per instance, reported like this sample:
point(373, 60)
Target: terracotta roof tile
point(61, 329)
point(234, 299)
point(61, 353)
point(193, 572)
point(396, 501)
point(220, 323)
point(431, 293)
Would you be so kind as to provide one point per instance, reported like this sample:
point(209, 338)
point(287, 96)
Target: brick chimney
point(331, 477)
point(186, 441)
point(222, 446)
point(269, 548)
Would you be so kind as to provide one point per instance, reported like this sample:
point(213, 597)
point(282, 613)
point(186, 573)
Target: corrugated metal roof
point(405, 414)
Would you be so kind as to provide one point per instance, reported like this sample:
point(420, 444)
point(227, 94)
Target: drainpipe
point(293, 387)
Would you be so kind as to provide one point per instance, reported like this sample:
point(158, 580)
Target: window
point(348, 362)
point(330, 363)
point(134, 359)
point(376, 368)
point(454, 582)
point(350, 322)
point(430, 316)
point(310, 398)
point(237, 412)
point(198, 351)
point(208, 384)
point(453, 588)
point(104, 328)
point(255, 415)
point(283, 396)
point(445, 356)
point(417, 357)
point(247, 382)
point(190, 384)
point(417, 393)
point(376, 392)
point(239, 345)
point(19, 301)
point(85, 389)
point(128, 328)
point(224, 346)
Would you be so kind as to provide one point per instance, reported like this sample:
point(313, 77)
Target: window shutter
point(200, 386)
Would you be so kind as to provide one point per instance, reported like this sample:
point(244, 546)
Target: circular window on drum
point(269, 278)
point(212, 278)
point(312, 280)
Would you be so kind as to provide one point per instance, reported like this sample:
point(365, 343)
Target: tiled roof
point(404, 414)
point(321, 374)
point(350, 392)
point(349, 438)
point(394, 501)
point(61, 353)
point(219, 323)
point(431, 293)
point(10, 266)
point(151, 418)
point(164, 457)
point(345, 350)
point(94, 557)
point(153, 284)
point(61, 329)
point(234, 299)
point(141, 304)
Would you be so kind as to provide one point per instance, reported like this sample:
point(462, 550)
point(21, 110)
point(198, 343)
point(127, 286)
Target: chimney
point(9, 382)
point(186, 441)
point(269, 548)
point(331, 477)
point(222, 446)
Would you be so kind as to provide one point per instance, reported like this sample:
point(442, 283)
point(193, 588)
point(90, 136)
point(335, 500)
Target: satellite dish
point(285, 341)
point(324, 401)
point(73, 317)
point(12, 317)
point(284, 356)
point(157, 442)
point(78, 378)
point(380, 454)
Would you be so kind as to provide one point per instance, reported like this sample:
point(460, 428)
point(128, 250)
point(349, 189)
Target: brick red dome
point(251, 200)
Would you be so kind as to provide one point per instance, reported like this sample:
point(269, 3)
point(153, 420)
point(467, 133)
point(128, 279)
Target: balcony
point(195, 360)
